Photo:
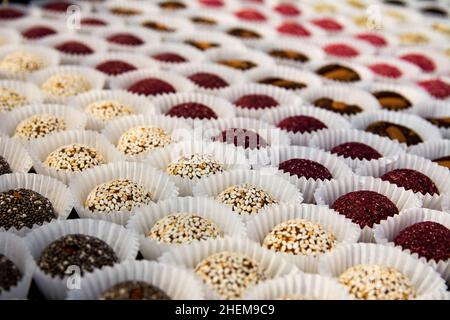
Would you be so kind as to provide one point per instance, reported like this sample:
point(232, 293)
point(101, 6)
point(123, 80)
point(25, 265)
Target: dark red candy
point(428, 239)
point(301, 124)
point(256, 101)
point(305, 168)
point(115, 67)
point(411, 180)
point(328, 24)
point(60, 6)
point(364, 207)
point(341, 50)
point(386, 70)
point(93, 22)
point(151, 87)
point(192, 110)
point(373, 39)
point(37, 32)
point(287, 9)
point(294, 29)
point(7, 13)
point(356, 150)
point(212, 3)
point(437, 88)
point(169, 57)
point(208, 80)
point(423, 62)
point(245, 138)
point(126, 39)
point(74, 47)
point(250, 15)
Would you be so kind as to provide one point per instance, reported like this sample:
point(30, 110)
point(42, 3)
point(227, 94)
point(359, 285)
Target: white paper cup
point(189, 53)
point(122, 241)
point(15, 155)
point(224, 54)
point(435, 109)
point(299, 30)
point(28, 90)
point(365, 75)
point(240, 12)
point(346, 25)
point(431, 149)
point(9, 36)
point(428, 36)
point(406, 70)
point(148, 38)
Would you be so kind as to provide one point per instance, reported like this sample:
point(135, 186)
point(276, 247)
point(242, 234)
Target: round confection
point(161, 27)
point(288, 55)
point(11, 99)
point(386, 70)
point(256, 101)
point(169, 57)
point(337, 106)
point(243, 33)
point(109, 109)
point(117, 195)
point(151, 87)
point(203, 21)
point(238, 64)
point(183, 228)
point(328, 24)
point(411, 180)
point(428, 239)
point(301, 124)
point(74, 157)
point(202, 45)
point(364, 207)
point(417, 38)
point(283, 83)
point(420, 60)
point(38, 32)
point(392, 100)
point(22, 208)
point(4, 166)
point(126, 39)
point(374, 39)
point(60, 6)
point(93, 22)
point(171, 5)
point(245, 138)
point(250, 15)
point(74, 47)
point(395, 131)
point(377, 282)
point(141, 139)
point(21, 61)
point(115, 67)
point(230, 274)
point(436, 87)
point(440, 122)
point(356, 150)
point(10, 275)
point(125, 12)
point(245, 198)
point(208, 80)
point(338, 72)
point(341, 50)
point(134, 290)
point(305, 168)
point(86, 252)
point(300, 237)
point(435, 11)
point(66, 84)
point(287, 9)
point(39, 125)
point(443, 161)
point(195, 166)
point(192, 110)
point(9, 13)
point(293, 28)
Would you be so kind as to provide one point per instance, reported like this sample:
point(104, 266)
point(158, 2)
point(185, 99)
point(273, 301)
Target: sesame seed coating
point(140, 139)
point(183, 228)
point(11, 99)
point(230, 274)
point(195, 166)
point(109, 109)
point(134, 290)
point(74, 157)
point(10, 275)
point(245, 198)
point(39, 125)
point(299, 236)
point(117, 195)
point(377, 282)
point(21, 61)
point(66, 84)
point(4, 166)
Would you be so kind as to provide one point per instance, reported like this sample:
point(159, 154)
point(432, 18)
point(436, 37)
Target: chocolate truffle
point(117, 195)
point(300, 237)
point(243, 33)
point(107, 110)
point(241, 138)
point(24, 208)
point(421, 61)
point(38, 32)
point(171, 5)
point(126, 39)
point(4, 166)
point(10, 13)
point(328, 24)
point(151, 87)
point(86, 252)
point(134, 290)
point(39, 125)
point(66, 85)
point(169, 57)
point(436, 87)
point(115, 67)
point(126, 12)
point(10, 275)
point(251, 15)
point(391, 100)
point(283, 83)
point(341, 50)
point(238, 64)
point(356, 150)
point(21, 61)
point(194, 166)
point(435, 11)
point(293, 29)
point(305, 168)
point(183, 228)
point(141, 139)
point(337, 106)
point(158, 26)
point(74, 47)
point(208, 80)
point(428, 239)
point(395, 132)
point(301, 124)
point(202, 45)
point(386, 70)
point(288, 55)
point(338, 72)
point(373, 39)
point(411, 180)
point(440, 122)
point(192, 110)
point(11, 99)
point(203, 21)
point(256, 101)
point(364, 207)
point(230, 274)
point(443, 161)
point(74, 157)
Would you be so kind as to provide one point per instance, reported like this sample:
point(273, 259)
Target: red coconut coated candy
point(250, 15)
point(115, 67)
point(421, 61)
point(169, 57)
point(356, 150)
point(287, 9)
point(373, 39)
point(328, 24)
point(93, 22)
point(301, 124)
point(411, 180)
point(208, 80)
point(74, 47)
point(305, 168)
point(386, 70)
point(256, 101)
point(192, 110)
point(428, 239)
point(341, 50)
point(245, 138)
point(38, 32)
point(10, 13)
point(436, 87)
point(126, 39)
point(294, 29)
point(151, 87)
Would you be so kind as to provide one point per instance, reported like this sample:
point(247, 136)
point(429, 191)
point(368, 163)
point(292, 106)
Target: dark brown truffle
point(192, 110)
point(4, 166)
point(243, 33)
point(301, 124)
point(395, 132)
point(256, 101)
point(440, 122)
point(289, 55)
point(202, 45)
point(283, 83)
point(391, 100)
point(245, 138)
point(411, 180)
point(171, 5)
point(126, 39)
point(338, 72)
point(238, 64)
point(337, 106)
point(10, 275)
point(74, 47)
point(161, 27)
point(356, 150)
point(134, 290)
point(115, 67)
point(151, 87)
point(305, 168)
point(38, 32)
point(208, 80)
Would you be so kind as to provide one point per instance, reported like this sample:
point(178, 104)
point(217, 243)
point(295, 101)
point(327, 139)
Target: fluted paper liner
point(148, 37)
point(29, 90)
point(431, 149)
point(189, 53)
point(436, 109)
point(15, 154)
point(9, 36)
point(224, 54)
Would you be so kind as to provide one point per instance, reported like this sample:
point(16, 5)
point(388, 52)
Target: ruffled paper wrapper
point(124, 243)
point(424, 279)
point(309, 286)
point(386, 232)
point(189, 53)
point(227, 221)
point(223, 40)
point(328, 139)
point(73, 119)
point(431, 149)
point(174, 22)
point(40, 149)
point(342, 228)
point(9, 36)
point(139, 104)
point(15, 155)
point(95, 78)
point(148, 37)
point(15, 250)
point(177, 283)
point(224, 54)
point(407, 70)
point(231, 159)
point(29, 90)
point(59, 195)
point(331, 119)
point(436, 110)
point(189, 256)
point(157, 183)
point(330, 191)
point(177, 128)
